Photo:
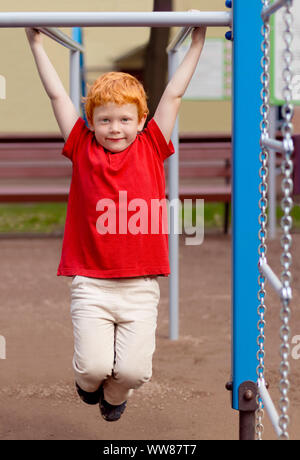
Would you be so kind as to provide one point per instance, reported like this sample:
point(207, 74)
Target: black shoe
point(109, 412)
point(89, 397)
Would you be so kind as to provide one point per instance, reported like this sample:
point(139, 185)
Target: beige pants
point(114, 323)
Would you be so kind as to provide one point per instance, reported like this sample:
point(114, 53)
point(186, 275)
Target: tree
point(156, 59)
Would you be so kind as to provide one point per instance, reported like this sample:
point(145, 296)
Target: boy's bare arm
point(63, 108)
point(169, 104)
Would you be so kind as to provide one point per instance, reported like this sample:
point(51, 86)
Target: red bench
point(32, 169)
point(205, 170)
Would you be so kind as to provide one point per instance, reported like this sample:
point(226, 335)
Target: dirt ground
point(186, 398)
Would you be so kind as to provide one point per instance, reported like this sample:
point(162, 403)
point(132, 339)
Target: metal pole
point(75, 78)
point(271, 277)
point(77, 35)
point(115, 19)
point(179, 39)
point(272, 176)
point(247, 425)
point(269, 406)
point(271, 9)
point(245, 183)
point(274, 144)
point(173, 196)
point(61, 38)
point(247, 393)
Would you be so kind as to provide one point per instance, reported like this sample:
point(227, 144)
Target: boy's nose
point(115, 127)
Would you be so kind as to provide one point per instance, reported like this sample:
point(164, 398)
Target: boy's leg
point(135, 340)
point(93, 328)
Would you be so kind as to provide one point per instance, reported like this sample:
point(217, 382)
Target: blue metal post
point(246, 136)
point(77, 35)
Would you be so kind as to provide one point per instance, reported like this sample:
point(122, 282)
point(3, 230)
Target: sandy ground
point(186, 398)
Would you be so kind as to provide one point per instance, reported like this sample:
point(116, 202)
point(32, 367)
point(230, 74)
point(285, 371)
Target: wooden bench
point(32, 169)
point(205, 170)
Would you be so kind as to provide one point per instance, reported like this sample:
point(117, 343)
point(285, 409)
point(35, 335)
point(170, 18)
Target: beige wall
point(27, 109)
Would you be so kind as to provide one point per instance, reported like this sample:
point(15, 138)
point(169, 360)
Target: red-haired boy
point(114, 260)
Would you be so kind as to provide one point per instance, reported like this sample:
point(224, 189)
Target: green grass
point(295, 215)
point(32, 218)
point(213, 215)
point(50, 217)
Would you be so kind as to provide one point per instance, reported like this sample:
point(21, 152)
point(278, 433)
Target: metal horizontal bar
point(265, 269)
point(61, 38)
point(285, 146)
point(271, 276)
point(179, 39)
point(115, 19)
point(268, 10)
point(269, 406)
point(273, 144)
point(181, 36)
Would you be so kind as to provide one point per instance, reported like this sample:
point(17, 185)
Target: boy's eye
point(103, 120)
point(125, 119)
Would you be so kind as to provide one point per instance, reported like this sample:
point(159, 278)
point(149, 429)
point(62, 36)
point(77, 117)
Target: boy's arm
point(168, 107)
point(63, 108)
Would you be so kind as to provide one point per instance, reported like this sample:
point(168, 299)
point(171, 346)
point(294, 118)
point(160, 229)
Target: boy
point(115, 256)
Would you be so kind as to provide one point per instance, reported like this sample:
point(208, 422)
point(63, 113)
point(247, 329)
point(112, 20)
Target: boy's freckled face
point(116, 126)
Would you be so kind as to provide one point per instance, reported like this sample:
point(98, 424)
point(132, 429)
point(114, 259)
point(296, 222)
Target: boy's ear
point(90, 123)
point(142, 122)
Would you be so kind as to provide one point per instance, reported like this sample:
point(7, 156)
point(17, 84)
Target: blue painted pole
point(246, 148)
point(77, 36)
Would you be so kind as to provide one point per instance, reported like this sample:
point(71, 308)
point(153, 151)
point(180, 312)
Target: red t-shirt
point(112, 228)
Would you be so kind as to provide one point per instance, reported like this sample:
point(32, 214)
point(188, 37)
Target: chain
point(286, 221)
point(263, 204)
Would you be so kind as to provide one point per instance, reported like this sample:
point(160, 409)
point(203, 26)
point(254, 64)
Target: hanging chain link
point(263, 205)
point(286, 221)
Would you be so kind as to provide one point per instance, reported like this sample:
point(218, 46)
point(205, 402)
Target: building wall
point(27, 108)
